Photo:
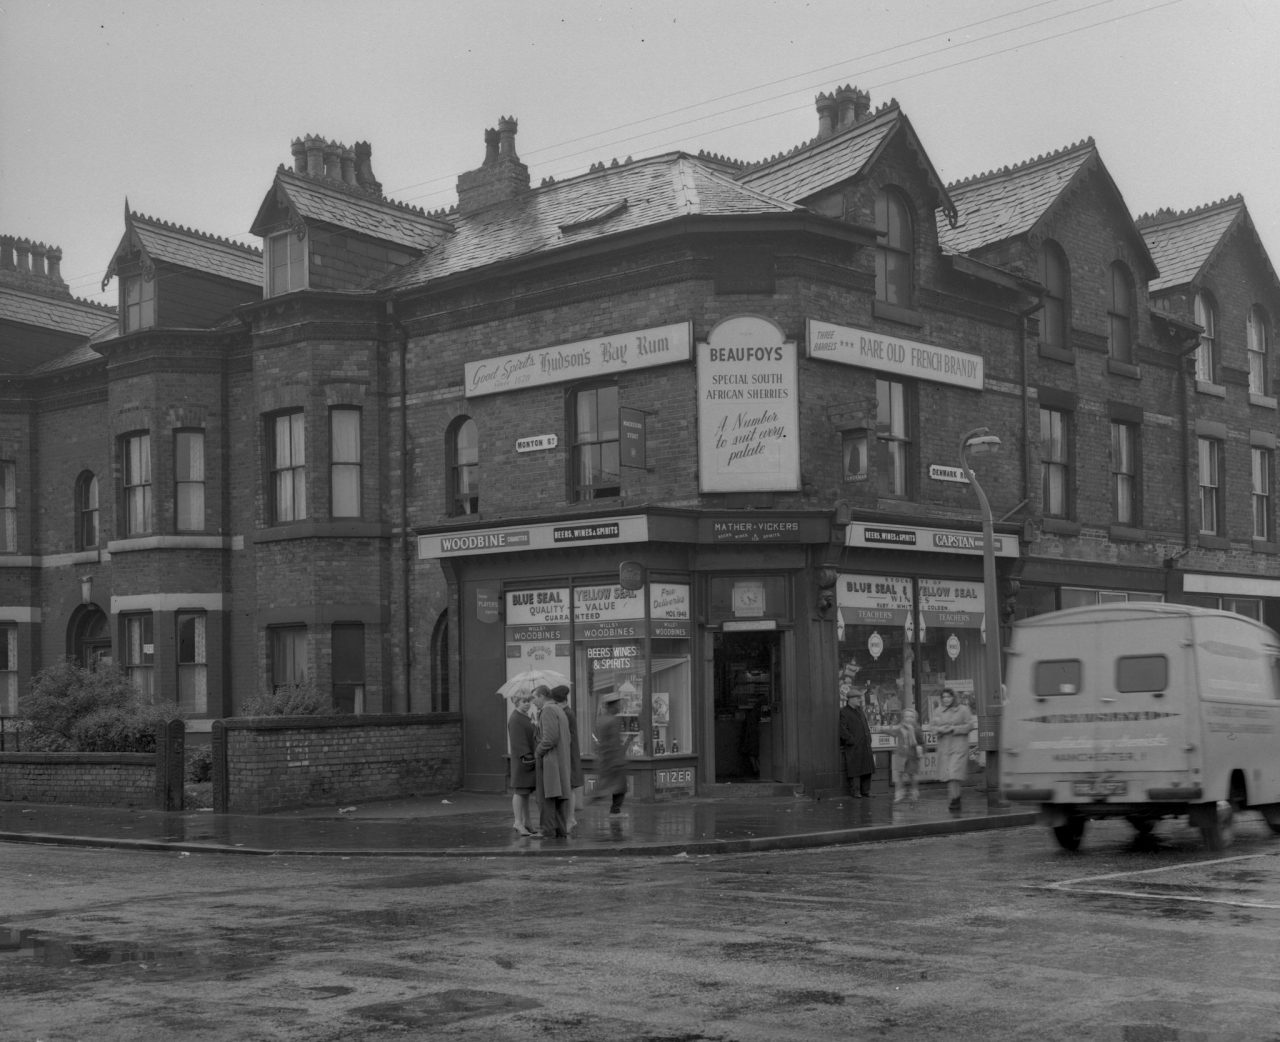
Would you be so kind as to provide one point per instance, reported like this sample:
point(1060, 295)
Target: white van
point(1142, 710)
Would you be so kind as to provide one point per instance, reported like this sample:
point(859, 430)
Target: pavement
point(469, 824)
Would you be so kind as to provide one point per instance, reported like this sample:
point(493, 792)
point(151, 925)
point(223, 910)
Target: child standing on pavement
point(909, 747)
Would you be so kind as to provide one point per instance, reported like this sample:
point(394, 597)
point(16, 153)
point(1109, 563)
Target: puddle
point(444, 1007)
point(55, 951)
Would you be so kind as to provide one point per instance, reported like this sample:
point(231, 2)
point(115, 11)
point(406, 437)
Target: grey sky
point(188, 109)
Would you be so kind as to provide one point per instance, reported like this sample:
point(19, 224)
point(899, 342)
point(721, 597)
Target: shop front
point(692, 619)
point(910, 602)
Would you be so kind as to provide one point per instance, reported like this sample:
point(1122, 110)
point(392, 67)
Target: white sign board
point(872, 350)
point(605, 356)
point(748, 410)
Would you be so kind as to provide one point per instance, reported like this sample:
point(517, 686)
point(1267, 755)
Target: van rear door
point(1107, 709)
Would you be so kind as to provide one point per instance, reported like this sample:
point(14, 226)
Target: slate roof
point(604, 202)
point(64, 314)
point(1007, 203)
point(323, 199)
point(1182, 243)
point(186, 248)
point(823, 163)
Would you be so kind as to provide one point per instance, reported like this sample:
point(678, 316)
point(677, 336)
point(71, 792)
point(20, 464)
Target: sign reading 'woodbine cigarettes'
point(748, 416)
point(871, 350)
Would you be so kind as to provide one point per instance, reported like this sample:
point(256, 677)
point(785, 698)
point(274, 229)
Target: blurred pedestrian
point(521, 739)
point(611, 753)
point(552, 752)
point(855, 745)
point(952, 724)
point(908, 738)
point(561, 695)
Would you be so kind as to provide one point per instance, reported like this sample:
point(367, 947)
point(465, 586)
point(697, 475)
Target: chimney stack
point(853, 106)
point(501, 177)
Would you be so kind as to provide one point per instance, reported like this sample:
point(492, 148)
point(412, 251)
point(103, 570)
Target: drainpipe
point(406, 545)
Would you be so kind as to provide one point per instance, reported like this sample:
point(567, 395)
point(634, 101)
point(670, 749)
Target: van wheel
point(1217, 828)
point(1143, 825)
point(1068, 835)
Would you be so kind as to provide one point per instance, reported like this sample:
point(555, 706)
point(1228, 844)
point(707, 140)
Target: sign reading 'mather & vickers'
point(872, 350)
point(603, 356)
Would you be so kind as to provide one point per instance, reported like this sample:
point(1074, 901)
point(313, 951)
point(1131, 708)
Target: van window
point(1057, 677)
point(1142, 673)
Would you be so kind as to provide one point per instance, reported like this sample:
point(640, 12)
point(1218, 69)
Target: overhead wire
point(668, 129)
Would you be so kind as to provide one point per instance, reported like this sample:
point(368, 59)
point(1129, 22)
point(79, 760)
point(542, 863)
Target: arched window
point(1120, 314)
point(88, 636)
point(463, 454)
point(86, 511)
point(441, 700)
point(895, 252)
point(1207, 352)
point(1259, 350)
point(1055, 279)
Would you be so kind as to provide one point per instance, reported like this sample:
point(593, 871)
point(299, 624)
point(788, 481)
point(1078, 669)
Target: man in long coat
point(855, 745)
point(554, 764)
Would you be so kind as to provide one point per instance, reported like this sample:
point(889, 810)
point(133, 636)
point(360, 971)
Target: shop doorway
point(748, 732)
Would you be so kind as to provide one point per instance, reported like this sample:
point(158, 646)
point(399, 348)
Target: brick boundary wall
point(265, 764)
point(152, 781)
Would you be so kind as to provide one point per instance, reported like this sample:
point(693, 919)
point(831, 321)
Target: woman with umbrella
point(521, 738)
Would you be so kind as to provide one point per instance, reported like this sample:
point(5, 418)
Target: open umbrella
point(524, 683)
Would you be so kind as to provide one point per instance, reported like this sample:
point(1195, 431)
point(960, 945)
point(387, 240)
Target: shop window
point(138, 302)
point(1125, 473)
point(193, 662)
point(344, 462)
point(188, 466)
point(1120, 314)
point(1209, 456)
point(8, 507)
point(597, 472)
point(288, 646)
point(136, 453)
point(347, 647)
point(1262, 468)
point(1250, 607)
point(140, 652)
point(462, 450)
point(894, 455)
point(1055, 463)
point(1080, 596)
point(1054, 312)
point(286, 266)
point(8, 670)
point(895, 248)
point(86, 511)
point(288, 467)
point(1259, 347)
point(1207, 351)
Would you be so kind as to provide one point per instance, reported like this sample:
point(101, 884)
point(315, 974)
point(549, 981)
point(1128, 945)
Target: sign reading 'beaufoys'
point(618, 353)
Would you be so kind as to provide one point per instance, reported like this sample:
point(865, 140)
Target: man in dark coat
point(855, 745)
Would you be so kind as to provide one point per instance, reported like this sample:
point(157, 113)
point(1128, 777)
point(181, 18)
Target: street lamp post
point(980, 440)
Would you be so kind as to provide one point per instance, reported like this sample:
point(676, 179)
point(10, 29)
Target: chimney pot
point(315, 156)
point(6, 253)
point(490, 147)
point(507, 127)
point(826, 104)
point(348, 166)
point(23, 248)
point(54, 257)
point(37, 259)
point(299, 151)
point(844, 98)
point(364, 168)
point(333, 160)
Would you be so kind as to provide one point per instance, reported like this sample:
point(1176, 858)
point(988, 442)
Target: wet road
point(989, 936)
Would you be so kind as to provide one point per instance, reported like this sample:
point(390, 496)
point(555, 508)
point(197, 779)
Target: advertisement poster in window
point(748, 417)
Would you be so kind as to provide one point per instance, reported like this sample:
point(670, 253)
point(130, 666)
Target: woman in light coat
point(554, 763)
point(952, 724)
